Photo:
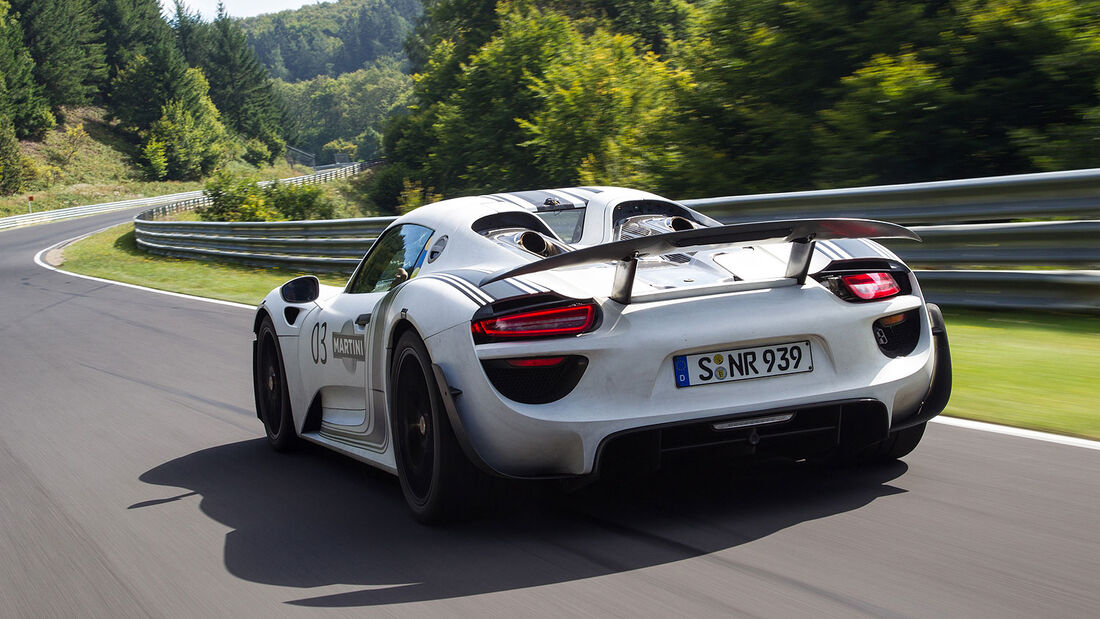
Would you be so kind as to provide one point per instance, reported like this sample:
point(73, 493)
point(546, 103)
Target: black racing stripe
point(829, 253)
point(486, 297)
point(452, 284)
point(592, 189)
point(522, 285)
point(535, 285)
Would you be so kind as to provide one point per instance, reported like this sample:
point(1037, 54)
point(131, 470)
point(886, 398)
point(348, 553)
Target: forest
point(687, 98)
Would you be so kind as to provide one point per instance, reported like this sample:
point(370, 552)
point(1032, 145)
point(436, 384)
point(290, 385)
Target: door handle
point(362, 320)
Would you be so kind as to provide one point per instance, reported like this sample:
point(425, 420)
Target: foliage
point(240, 87)
point(236, 199)
point(330, 38)
point(21, 97)
point(75, 138)
point(241, 198)
point(63, 38)
point(155, 156)
point(194, 140)
point(256, 152)
point(894, 115)
point(352, 107)
point(606, 114)
point(414, 196)
point(146, 84)
point(12, 163)
point(299, 202)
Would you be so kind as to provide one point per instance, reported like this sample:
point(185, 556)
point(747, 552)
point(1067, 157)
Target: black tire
point(272, 396)
point(895, 446)
point(438, 481)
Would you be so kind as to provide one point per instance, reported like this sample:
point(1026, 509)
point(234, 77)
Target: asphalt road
point(135, 481)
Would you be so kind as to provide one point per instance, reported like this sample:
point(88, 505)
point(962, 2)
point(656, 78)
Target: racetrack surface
point(136, 482)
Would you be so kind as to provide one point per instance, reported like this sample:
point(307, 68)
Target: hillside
point(87, 160)
point(330, 38)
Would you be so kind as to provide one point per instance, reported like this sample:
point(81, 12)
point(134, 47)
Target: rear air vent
point(535, 380)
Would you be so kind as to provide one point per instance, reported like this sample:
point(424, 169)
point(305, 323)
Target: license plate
point(723, 366)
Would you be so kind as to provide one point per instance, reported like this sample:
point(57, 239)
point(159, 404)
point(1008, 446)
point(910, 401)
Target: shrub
point(256, 152)
point(12, 162)
point(236, 199)
point(299, 202)
point(155, 159)
point(243, 199)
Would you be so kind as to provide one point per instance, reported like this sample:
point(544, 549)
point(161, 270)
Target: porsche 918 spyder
point(545, 334)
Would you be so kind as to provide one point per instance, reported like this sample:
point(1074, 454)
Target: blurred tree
point(605, 114)
point(893, 124)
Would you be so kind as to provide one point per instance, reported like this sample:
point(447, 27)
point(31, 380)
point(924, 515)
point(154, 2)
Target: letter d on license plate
point(723, 366)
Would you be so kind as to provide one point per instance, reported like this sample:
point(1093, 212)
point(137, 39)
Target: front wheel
point(438, 481)
point(272, 396)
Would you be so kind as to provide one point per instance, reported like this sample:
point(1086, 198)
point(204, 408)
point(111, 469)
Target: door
point(344, 332)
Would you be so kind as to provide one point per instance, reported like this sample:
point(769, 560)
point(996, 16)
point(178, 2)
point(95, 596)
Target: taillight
point(870, 286)
point(554, 322)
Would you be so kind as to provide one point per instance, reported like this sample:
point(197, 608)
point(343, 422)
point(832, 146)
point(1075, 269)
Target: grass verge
point(113, 254)
point(1030, 370)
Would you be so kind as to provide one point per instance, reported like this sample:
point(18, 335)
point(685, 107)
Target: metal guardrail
point(17, 221)
point(1074, 194)
point(163, 205)
point(1075, 291)
point(337, 245)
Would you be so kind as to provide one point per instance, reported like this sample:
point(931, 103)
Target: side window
point(394, 258)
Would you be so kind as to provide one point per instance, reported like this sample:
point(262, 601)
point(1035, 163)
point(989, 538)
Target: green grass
point(100, 167)
point(112, 254)
point(1030, 370)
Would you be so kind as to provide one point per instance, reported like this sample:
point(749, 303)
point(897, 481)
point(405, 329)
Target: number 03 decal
point(317, 344)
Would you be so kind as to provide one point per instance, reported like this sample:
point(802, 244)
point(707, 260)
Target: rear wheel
point(897, 445)
point(272, 396)
point(438, 481)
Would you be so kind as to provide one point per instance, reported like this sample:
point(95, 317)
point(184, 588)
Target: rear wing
point(803, 233)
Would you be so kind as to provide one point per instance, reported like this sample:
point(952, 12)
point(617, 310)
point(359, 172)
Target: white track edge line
point(42, 263)
point(982, 426)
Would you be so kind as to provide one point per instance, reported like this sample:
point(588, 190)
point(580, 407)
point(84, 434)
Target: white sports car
point(555, 333)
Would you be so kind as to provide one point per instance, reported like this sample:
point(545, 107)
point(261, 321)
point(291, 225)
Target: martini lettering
point(347, 346)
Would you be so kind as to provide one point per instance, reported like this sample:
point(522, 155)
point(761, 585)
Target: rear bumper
point(566, 438)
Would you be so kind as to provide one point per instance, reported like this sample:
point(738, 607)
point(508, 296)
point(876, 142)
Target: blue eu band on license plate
point(722, 366)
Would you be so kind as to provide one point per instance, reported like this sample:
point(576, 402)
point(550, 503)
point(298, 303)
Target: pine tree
point(239, 85)
point(62, 37)
point(146, 84)
point(192, 34)
point(129, 27)
point(21, 101)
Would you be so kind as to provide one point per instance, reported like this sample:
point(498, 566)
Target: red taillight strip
point(558, 321)
point(535, 362)
point(869, 286)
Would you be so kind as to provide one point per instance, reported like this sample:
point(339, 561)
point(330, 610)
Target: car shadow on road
point(313, 518)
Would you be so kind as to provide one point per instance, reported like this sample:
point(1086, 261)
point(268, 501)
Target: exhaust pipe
point(534, 243)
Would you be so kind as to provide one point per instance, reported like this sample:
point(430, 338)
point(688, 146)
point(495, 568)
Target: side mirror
point(304, 289)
